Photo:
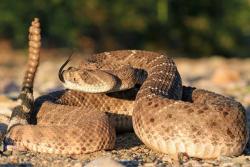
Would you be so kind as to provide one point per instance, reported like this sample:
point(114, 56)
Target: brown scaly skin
point(170, 118)
point(166, 116)
point(21, 113)
point(44, 137)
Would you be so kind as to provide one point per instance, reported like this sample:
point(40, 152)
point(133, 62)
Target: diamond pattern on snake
point(122, 91)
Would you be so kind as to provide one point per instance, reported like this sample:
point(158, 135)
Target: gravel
point(129, 150)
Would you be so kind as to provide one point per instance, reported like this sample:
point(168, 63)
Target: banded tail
point(21, 113)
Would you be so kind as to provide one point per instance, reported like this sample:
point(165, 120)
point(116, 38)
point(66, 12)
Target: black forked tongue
point(60, 73)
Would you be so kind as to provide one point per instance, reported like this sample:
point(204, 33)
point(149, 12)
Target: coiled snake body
point(166, 116)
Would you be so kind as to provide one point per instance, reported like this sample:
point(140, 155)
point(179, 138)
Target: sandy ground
point(230, 77)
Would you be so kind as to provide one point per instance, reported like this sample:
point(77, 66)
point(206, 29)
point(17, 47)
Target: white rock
point(104, 162)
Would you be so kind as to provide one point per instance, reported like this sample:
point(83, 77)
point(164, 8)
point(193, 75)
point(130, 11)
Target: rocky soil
point(230, 77)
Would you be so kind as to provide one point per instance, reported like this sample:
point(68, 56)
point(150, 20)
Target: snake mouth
point(60, 72)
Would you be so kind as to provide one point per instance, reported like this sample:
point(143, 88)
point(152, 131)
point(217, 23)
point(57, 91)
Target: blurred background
point(209, 39)
point(193, 28)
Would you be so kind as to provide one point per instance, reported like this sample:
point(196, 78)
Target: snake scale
point(125, 90)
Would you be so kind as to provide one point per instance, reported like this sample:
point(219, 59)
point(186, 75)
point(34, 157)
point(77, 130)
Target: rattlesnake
point(166, 116)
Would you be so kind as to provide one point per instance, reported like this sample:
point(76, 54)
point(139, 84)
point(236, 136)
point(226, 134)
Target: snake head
point(90, 81)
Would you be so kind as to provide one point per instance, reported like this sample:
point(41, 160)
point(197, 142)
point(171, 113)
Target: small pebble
point(104, 162)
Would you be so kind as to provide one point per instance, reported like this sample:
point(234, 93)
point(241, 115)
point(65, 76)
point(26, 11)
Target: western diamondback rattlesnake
point(166, 116)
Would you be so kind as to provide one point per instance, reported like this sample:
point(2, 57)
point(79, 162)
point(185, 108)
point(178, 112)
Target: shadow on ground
point(247, 149)
point(126, 141)
point(15, 165)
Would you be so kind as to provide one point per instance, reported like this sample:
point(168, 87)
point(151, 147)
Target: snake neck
point(160, 75)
